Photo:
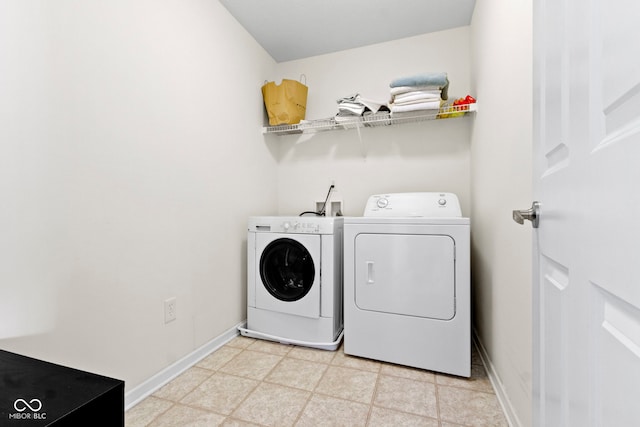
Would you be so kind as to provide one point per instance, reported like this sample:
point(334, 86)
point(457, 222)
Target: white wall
point(131, 157)
point(501, 47)
point(130, 162)
point(428, 156)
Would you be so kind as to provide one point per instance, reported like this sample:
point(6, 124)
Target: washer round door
point(289, 273)
point(287, 270)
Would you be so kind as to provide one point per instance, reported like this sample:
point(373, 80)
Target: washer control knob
point(442, 202)
point(382, 202)
point(286, 225)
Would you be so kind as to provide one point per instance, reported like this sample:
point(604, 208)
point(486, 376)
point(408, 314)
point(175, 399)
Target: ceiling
point(295, 29)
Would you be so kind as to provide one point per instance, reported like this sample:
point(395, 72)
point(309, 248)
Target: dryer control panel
point(430, 205)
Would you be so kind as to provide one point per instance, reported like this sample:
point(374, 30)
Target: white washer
point(407, 282)
point(294, 280)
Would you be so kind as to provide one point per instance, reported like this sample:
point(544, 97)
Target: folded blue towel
point(425, 79)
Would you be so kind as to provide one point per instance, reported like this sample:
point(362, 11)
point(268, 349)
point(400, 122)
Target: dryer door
point(289, 272)
point(406, 274)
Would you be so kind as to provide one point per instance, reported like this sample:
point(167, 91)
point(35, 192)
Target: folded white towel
point(416, 96)
point(429, 105)
point(444, 91)
point(430, 92)
point(405, 89)
point(418, 101)
point(352, 108)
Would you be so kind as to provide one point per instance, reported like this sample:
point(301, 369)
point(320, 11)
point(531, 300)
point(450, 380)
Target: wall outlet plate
point(170, 310)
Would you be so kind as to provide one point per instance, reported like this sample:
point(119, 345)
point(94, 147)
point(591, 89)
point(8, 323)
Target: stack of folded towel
point(418, 93)
point(355, 106)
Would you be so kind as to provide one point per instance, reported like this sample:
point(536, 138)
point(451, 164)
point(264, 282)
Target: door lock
point(532, 215)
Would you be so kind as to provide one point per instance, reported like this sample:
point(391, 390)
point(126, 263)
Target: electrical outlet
point(169, 310)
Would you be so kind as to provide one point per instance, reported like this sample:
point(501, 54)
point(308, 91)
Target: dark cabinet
point(38, 393)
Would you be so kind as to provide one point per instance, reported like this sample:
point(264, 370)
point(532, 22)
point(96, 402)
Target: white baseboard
point(501, 394)
point(154, 383)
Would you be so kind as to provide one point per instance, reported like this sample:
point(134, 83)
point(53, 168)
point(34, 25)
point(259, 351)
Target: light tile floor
point(250, 382)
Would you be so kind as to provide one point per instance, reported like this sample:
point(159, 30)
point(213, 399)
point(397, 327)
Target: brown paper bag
point(285, 103)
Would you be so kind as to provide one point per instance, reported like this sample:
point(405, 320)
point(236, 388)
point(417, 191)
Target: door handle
point(532, 215)
point(370, 273)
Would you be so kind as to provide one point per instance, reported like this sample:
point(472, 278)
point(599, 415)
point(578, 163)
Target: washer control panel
point(300, 226)
point(430, 204)
point(295, 224)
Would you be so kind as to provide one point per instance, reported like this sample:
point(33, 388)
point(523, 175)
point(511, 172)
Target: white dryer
point(407, 282)
point(294, 280)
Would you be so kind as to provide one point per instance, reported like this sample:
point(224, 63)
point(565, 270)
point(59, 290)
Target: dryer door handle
point(370, 280)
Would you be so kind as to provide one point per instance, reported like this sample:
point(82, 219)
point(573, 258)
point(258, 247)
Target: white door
point(587, 247)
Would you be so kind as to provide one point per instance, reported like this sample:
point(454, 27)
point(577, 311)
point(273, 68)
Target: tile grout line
point(437, 392)
point(313, 392)
point(373, 397)
point(379, 374)
point(404, 411)
point(217, 371)
point(162, 413)
point(212, 373)
point(174, 403)
point(259, 382)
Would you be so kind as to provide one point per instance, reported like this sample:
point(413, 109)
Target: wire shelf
point(371, 120)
